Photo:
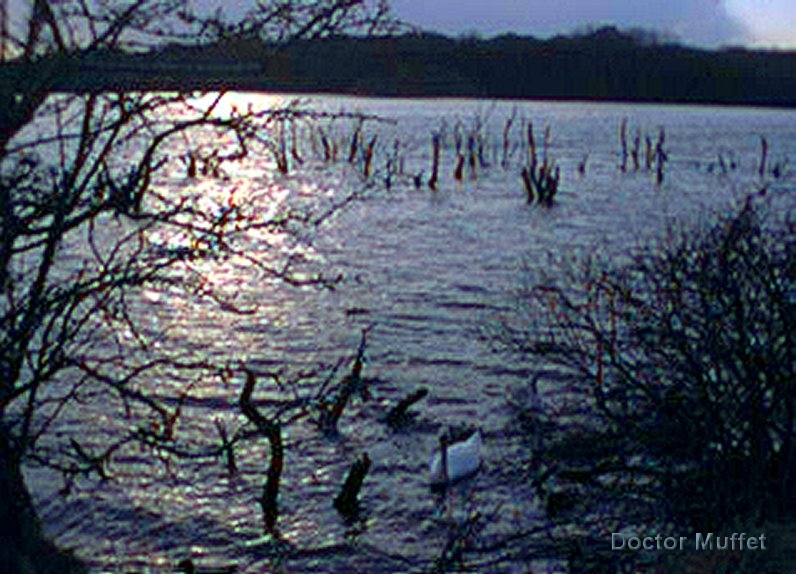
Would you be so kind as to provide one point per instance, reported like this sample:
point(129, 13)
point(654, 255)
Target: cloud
point(704, 22)
point(769, 22)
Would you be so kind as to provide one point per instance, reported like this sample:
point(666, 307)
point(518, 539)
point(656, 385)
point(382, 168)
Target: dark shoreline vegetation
point(603, 65)
point(668, 393)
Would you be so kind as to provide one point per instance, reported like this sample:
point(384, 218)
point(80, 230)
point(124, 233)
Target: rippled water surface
point(427, 271)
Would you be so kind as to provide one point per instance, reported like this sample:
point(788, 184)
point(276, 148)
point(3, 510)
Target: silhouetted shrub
point(669, 378)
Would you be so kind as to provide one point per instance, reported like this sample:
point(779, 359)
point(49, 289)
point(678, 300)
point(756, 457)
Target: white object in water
point(455, 461)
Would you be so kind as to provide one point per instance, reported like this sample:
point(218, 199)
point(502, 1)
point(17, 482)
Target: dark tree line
point(605, 64)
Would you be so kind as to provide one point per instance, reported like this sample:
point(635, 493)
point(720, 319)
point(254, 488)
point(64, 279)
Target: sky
point(709, 23)
point(758, 23)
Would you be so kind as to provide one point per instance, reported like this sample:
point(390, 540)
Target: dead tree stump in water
point(397, 415)
point(347, 502)
point(436, 141)
point(272, 430)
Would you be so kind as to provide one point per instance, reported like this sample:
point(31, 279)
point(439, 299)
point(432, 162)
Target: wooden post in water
point(294, 152)
point(528, 182)
point(347, 502)
point(582, 165)
point(435, 143)
point(634, 154)
point(458, 172)
point(368, 156)
point(471, 155)
point(227, 447)
point(506, 142)
point(532, 160)
point(353, 147)
point(763, 156)
point(623, 142)
point(280, 152)
point(272, 430)
point(399, 413)
point(327, 147)
point(660, 157)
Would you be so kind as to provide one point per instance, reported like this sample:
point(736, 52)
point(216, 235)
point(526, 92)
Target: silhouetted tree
point(87, 221)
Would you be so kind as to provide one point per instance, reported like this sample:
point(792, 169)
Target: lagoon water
point(428, 272)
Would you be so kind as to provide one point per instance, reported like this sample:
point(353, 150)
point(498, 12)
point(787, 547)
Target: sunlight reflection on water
point(427, 270)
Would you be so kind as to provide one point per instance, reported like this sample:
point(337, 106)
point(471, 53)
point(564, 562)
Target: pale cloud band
point(770, 23)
